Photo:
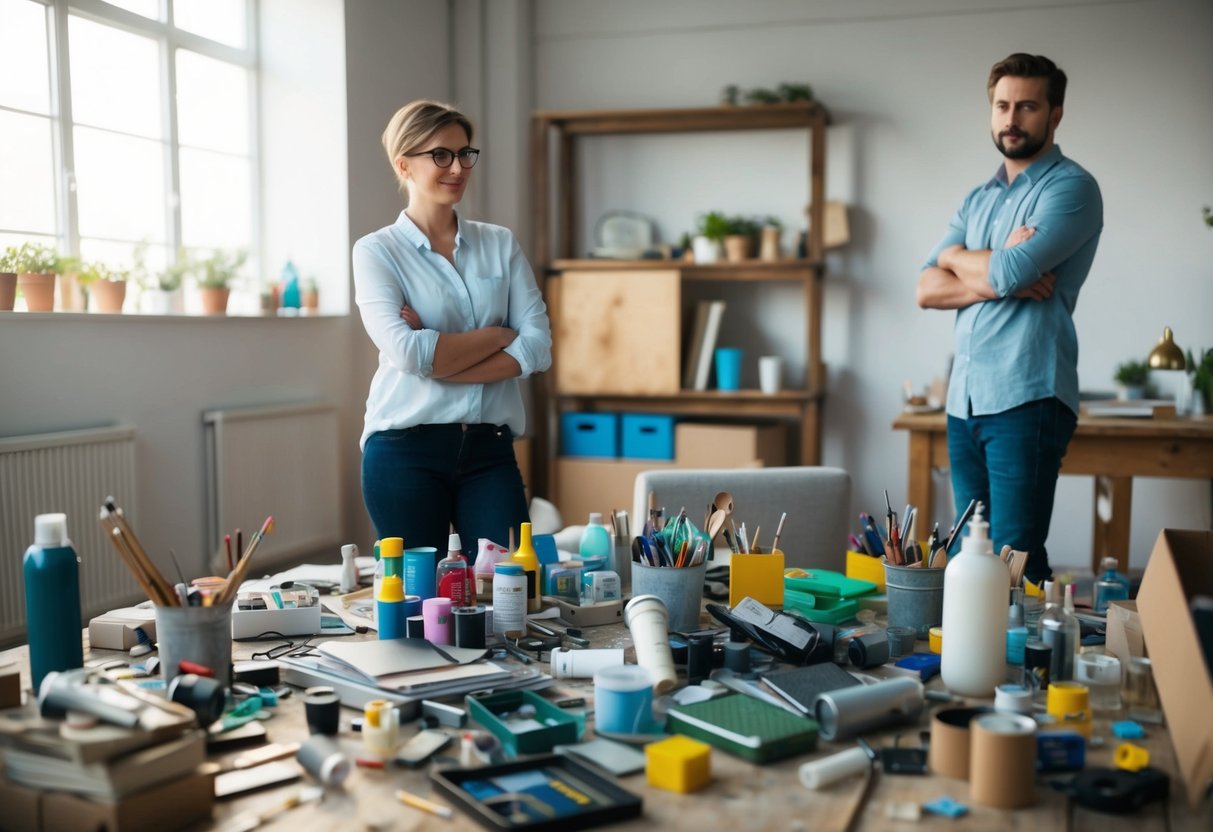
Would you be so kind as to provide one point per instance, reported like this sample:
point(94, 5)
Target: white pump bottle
point(976, 587)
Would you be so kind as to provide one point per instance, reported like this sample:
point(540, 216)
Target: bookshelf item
point(708, 315)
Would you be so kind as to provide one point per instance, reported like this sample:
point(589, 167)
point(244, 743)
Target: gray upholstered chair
point(817, 500)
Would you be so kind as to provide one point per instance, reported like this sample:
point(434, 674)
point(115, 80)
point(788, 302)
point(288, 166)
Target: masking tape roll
point(1002, 761)
point(1131, 757)
point(950, 740)
point(935, 639)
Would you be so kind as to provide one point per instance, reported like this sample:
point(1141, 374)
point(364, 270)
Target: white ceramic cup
point(770, 373)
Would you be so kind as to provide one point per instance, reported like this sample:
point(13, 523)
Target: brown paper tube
point(1003, 761)
point(949, 752)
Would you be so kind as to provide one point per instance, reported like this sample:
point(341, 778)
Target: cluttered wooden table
point(740, 795)
point(1113, 450)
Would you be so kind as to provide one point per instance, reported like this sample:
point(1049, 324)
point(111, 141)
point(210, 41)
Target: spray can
point(52, 599)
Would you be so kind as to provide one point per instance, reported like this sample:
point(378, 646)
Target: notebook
point(800, 685)
point(744, 726)
point(388, 657)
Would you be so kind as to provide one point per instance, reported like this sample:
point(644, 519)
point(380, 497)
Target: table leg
point(1113, 509)
point(919, 485)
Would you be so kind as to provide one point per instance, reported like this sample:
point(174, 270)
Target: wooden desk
point(741, 796)
point(1112, 450)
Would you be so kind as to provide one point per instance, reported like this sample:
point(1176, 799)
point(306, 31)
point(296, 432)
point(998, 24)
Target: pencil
point(416, 802)
point(778, 533)
point(236, 576)
point(227, 543)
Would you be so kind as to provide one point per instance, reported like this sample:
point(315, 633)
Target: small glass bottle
point(1017, 635)
point(1111, 586)
point(1059, 629)
point(595, 543)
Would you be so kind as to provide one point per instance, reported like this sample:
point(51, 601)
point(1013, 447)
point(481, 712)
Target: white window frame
point(169, 39)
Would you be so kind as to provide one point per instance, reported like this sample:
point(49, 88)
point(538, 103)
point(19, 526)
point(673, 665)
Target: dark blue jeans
point(417, 482)
point(1009, 461)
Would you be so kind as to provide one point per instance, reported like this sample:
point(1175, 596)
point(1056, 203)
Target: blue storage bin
point(647, 436)
point(589, 434)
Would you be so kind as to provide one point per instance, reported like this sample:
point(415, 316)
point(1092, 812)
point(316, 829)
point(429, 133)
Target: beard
point(1028, 147)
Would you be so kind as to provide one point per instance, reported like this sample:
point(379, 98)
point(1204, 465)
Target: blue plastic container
point(647, 436)
point(728, 368)
point(589, 434)
point(52, 599)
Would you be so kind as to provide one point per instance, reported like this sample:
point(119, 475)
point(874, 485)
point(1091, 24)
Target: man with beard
point(1011, 265)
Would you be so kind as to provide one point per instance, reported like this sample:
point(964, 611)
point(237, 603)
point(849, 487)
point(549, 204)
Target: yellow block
point(679, 764)
point(865, 568)
point(758, 576)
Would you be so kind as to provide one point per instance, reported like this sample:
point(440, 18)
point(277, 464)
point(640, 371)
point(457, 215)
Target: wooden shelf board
point(786, 403)
point(756, 270)
point(756, 117)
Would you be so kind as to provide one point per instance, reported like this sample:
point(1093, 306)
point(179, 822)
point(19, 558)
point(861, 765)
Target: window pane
point(28, 185)
point(115, 79)
point(122, 255)
point(120, 186)
point(216, 197)
point(212, 103)
point(147, 8)
point(24, 67)
point(221, 20)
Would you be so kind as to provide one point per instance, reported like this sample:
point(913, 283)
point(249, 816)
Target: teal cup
point(728, 368)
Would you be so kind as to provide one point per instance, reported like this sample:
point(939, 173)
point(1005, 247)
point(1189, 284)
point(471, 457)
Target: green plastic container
point(550, 726)
point(819, 608)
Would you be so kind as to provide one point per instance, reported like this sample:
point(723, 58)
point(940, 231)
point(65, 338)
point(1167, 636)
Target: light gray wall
point(905, 83)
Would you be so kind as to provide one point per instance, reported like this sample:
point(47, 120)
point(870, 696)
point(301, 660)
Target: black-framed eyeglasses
point(290, 648)
point(443, 157)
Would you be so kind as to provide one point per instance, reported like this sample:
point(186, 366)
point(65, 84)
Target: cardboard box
point(1124, 639)
point(1181, 567)
point(10, 687)
point(586, 485)
point(172, 805)
point(115, 630)
point(700, 445)
point(22, 807)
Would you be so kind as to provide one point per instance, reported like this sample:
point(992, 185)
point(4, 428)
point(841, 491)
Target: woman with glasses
point(453, 307)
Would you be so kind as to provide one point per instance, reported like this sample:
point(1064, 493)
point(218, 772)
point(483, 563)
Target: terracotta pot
point(39, 291)
point(107, 295)
point(736, 248)
point(311, 301)
point(8, 291)
point(71, 293)
point(214, 301)
point(768, 249)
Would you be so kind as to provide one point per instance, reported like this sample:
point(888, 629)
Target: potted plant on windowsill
point(215, 276)
point(106, 287)
point(36, 266)
point(8, 280)
point(160, 292)
point(1131, 378)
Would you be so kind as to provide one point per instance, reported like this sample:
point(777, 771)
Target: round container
point(324, 760)
point(901, 641)
point(509, 598)
point(915, 597)
point(1037, 657)
point(202, 635)
point(1015, 699)
point(623, 700)
point(1101, 674)
point(1140, 694)
point(323, 709)
point(935, 639)
point(948, 753)
point(680, 589)
point(471, 626)
point(421, 571)
point(1002, 761)
point(1070, 704)
point(439, 628)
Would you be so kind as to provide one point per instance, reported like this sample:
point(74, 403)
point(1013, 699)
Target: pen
point(778, 533)
point(412, 800)
point(517, 652)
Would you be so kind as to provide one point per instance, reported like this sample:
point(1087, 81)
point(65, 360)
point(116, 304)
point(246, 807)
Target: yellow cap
point(391, 547)
point(935, 639)
point(1070, 704)
point(391, 589)
point(371, 711)
point(1131, 757)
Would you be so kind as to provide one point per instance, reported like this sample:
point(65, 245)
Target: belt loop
point(464, 425)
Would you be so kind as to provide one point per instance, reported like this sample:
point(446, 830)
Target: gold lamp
point(1166, 355)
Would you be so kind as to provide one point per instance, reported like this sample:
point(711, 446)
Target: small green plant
point(1133, 374)
point(770, 221)
point(1202, 375)
point(796, 92)
point(729, 95)
point(1208, 212)
point(743, 226)
point(714, 225)
point(762, 95)
point(32, 258)
point(219, 270)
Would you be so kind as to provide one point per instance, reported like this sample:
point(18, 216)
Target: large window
point(129, 125)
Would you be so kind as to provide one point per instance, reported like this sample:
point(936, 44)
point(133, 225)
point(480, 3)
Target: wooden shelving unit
point(553, 138)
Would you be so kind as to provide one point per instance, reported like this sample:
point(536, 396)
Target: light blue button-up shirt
point(491, 284)
point(1010, 351)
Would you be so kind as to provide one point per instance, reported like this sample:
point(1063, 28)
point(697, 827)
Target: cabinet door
point(618, 333)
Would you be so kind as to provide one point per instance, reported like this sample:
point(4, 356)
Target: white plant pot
point(705, 250)
point(1130, 393)
point(160, 302)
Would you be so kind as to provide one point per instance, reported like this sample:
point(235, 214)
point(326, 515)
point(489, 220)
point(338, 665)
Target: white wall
point(905, 83)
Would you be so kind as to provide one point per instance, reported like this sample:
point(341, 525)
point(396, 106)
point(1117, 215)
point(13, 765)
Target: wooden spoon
point(724, 502)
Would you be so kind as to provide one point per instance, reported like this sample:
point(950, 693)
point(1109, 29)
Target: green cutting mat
point(745, 726)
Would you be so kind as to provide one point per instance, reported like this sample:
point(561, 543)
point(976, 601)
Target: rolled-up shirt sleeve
point(528, 316)
point(955, 236)
point(379, 294)
point(1068, 214)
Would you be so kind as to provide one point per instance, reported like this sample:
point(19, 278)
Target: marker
point(424, 805)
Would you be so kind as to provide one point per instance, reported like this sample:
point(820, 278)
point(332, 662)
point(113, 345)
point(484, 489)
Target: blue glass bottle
point(52, 599)
point(1111, 586)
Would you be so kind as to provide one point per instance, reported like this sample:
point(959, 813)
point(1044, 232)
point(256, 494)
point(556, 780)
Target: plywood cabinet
point(618, 326)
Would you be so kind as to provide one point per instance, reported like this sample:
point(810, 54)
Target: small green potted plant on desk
point(215, 276)
point(1131, 379)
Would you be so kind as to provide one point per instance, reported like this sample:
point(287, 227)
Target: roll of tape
point(1014, 699)
point(870, 650)
point(950, 741)
point(901, 641)
point(471, 626)
point(1002, 761)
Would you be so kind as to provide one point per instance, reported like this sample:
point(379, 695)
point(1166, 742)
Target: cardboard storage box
point(646, 436)
point(1180, 568)
point(589, 434)
point(115, 630)
point(1124, 639)
point(585, 485)
point(699, 445)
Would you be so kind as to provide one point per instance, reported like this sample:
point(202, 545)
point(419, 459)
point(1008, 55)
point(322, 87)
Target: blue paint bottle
point(52, 599)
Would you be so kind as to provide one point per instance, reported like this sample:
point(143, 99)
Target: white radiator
point(279, 460)
point(70, 472)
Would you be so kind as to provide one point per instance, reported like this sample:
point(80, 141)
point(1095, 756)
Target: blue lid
point(509, 569)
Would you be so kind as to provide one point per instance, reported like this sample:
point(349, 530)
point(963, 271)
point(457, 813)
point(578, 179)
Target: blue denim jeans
point(1010, 461)
point(417, 482)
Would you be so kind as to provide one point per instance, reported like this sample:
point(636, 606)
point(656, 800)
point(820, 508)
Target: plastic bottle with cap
point(975, 588)
point(595, 543)
point(526, 557)
point(52, 599)
point(1111, 586)
point(1017, 634)
point(454, 575)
